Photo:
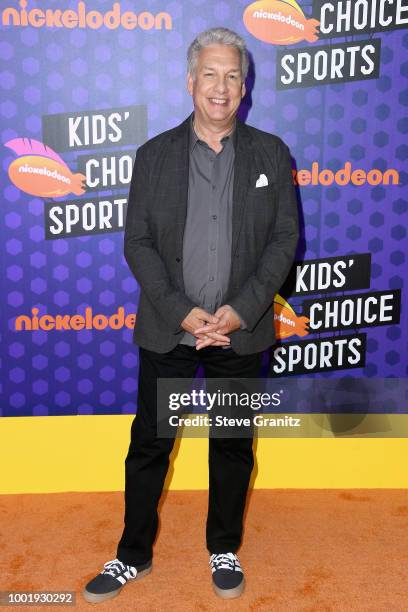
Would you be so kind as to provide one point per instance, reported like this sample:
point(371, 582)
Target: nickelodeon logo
point(344, 176)
point(40, 171)
point(279, 22)
point(82, 18)
point(76, 322)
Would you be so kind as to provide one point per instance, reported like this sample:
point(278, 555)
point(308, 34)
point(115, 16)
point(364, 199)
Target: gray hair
point(217, 36)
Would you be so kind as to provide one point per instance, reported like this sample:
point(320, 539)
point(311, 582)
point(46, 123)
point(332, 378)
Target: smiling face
point(217, 86)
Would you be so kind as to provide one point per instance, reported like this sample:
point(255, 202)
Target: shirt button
point(211, 278)
point(214, 217)
point(213, 187)
point(213, 247)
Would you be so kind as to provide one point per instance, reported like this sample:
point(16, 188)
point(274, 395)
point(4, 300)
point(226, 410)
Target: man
point(211, 232)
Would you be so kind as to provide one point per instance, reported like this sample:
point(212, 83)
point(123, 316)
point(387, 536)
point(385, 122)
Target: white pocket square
point(262, 181)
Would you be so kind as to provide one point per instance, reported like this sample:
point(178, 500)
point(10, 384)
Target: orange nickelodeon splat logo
point(40, 171)
point(279, 22)
point(287, 323)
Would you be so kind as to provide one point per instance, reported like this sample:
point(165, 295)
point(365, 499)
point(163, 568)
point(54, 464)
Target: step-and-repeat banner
point(85, 83)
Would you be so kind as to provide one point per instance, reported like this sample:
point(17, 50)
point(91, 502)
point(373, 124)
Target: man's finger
point(213, 339)
point(215, 336)
point(206, 316)
point(210, 342)
point(206, 328)
point(204, 343)
point(218, 335)
point(210, 327)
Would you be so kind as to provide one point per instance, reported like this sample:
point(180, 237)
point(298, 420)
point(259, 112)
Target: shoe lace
point(224, 561)
point(116, 568)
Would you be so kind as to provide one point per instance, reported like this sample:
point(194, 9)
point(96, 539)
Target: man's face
point(217, 87)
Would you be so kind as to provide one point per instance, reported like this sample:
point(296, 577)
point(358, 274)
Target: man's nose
point(221, 85)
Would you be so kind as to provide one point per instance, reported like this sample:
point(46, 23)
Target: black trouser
point(230, 460)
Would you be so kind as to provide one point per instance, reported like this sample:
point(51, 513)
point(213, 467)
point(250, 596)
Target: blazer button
point(178, 259)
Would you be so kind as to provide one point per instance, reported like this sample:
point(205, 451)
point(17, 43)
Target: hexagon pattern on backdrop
point(48, 71)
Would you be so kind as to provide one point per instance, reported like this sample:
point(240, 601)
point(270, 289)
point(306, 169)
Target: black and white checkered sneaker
point(227, 575)
point(112, 579)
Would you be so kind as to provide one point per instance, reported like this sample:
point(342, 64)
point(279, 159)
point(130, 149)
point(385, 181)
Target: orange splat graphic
point(279, 22)
point(41, 176)
point(287, 323)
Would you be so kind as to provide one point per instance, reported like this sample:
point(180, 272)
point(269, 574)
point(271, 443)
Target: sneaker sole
point(95, 598)
point(230, 593)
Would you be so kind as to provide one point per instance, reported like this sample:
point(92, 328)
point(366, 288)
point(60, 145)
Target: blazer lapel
point(242, 171)
point(180, 168)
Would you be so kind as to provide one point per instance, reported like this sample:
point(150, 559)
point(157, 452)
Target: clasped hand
point(211, 330)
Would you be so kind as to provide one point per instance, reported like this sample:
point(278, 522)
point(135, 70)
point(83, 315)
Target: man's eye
point(208, 74)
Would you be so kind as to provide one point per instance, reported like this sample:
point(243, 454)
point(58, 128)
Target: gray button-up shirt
point(208, 229)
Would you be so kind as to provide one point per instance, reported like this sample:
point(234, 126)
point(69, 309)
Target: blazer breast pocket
point(261, 207)
point(262, 195)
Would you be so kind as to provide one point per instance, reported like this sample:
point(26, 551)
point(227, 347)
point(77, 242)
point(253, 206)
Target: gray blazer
point(264, 236)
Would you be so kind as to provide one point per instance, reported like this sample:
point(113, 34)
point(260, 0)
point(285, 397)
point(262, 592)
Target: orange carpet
point(306, 551)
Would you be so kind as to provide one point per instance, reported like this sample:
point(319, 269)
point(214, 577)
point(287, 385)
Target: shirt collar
point(194, 138)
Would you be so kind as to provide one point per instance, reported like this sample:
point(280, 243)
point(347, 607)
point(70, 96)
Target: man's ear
point(190, 84)
point(243, 89)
